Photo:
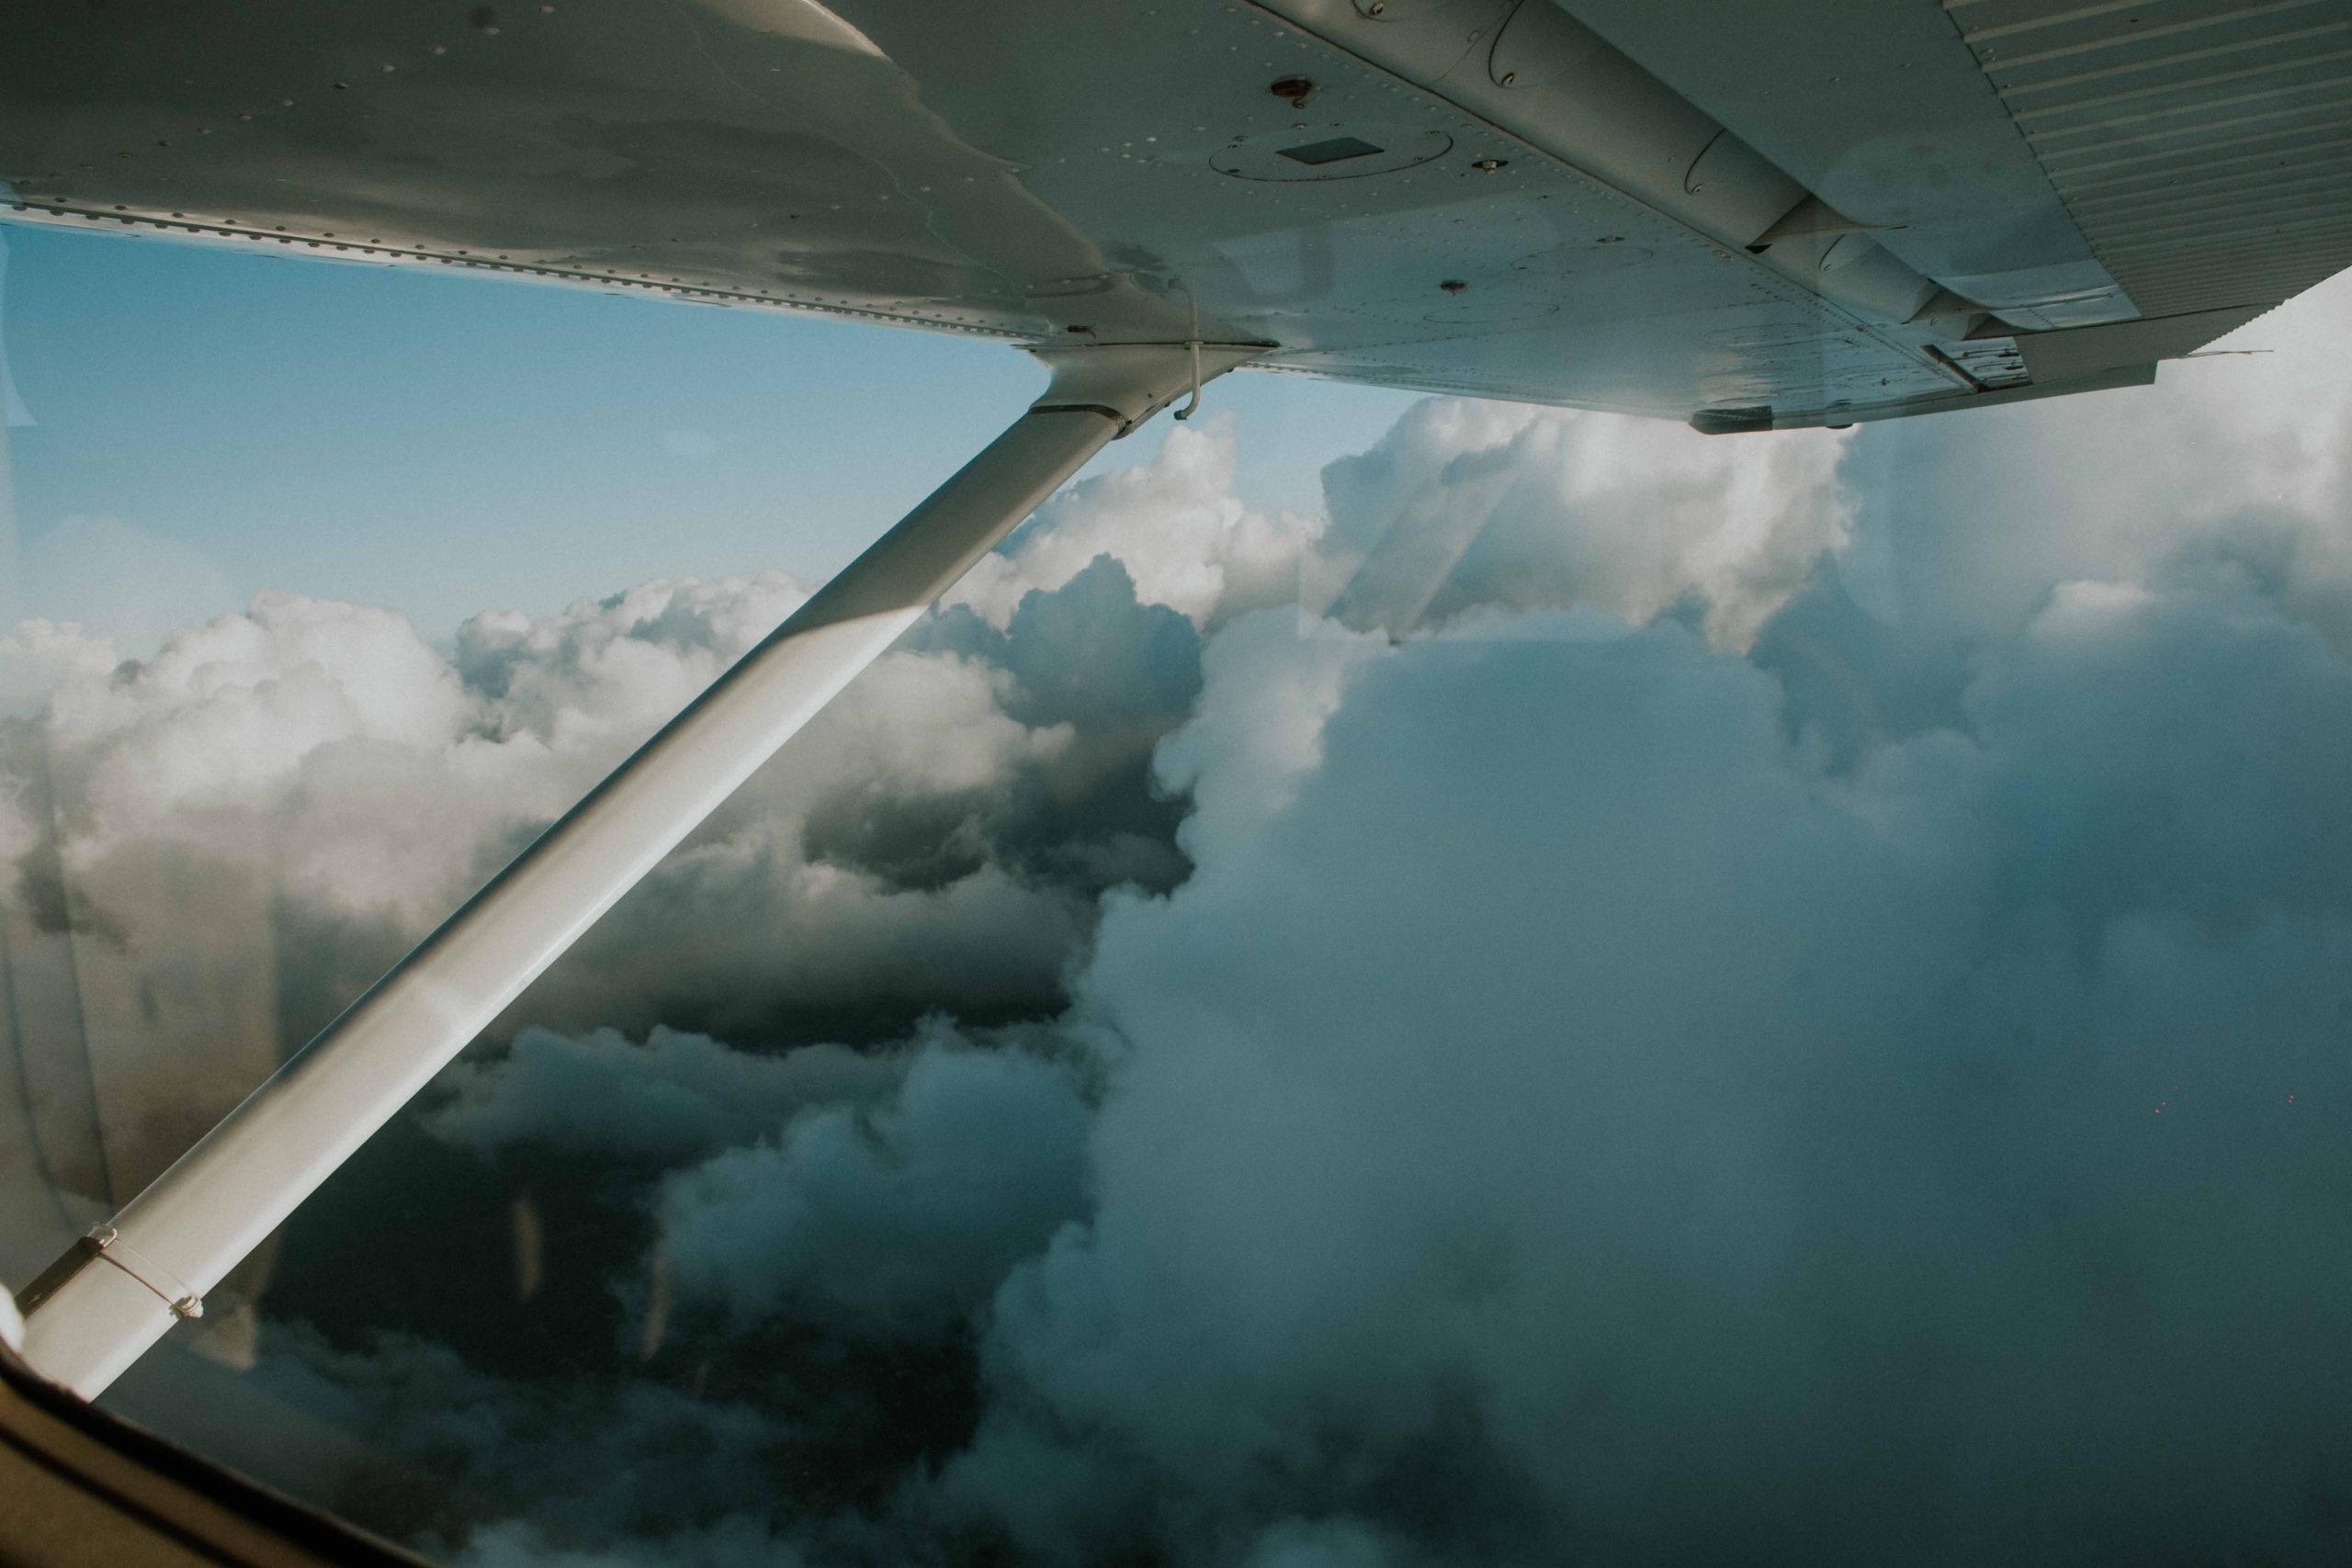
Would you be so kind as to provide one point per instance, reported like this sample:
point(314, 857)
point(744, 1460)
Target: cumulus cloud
point(1749, 999)
point(670, 1096)
point(237, 832)
point(879, 1192)
point(37, 656)
point(2231, 472)
point(894, 1219)
point(1575, 1122)
point(217, 845)
point(1175, 525)
point(1466, 507)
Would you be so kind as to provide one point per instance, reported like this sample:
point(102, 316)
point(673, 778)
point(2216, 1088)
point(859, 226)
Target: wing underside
point(1811, 213)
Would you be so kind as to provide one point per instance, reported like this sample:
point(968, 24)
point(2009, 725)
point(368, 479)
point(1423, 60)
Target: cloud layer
point(232, 836)
point(1675, 1000)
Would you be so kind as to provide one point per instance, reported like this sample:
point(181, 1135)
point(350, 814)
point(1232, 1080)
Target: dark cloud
point(664, 1100)
point(1749, 1165)
point(889, 1220)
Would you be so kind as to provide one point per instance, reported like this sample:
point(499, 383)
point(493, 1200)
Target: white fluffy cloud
point(2232, 472)
point(237, 832)
point(1474, 507)
point(1174, 523)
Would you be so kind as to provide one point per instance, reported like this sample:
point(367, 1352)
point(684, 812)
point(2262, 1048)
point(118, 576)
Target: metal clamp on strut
point(112, 1249)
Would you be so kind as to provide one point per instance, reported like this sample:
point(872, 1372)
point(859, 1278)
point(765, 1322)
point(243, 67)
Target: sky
point(207, 423)
point(1419, 983)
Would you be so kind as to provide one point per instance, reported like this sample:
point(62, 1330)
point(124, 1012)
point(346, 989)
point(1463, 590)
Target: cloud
point(239, 831)
point(1175, 525)
point(890, 1220)
point(672, 1096)
point(36, 656)
point(1470, 507)
point(1590, 1100)
point(1574, 1119)
point(2230, 471)
point(879, 1193)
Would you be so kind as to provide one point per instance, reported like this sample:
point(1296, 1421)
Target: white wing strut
point(101, 1306)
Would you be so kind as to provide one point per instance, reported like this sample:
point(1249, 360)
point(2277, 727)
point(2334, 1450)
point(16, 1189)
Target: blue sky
point(208, 423)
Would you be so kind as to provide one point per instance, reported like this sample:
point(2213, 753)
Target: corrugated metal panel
point(2204, 147)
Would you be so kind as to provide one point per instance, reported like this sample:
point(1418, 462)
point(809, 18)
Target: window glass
point(1392, 980)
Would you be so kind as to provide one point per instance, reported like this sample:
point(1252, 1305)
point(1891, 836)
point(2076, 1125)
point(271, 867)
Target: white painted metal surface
point(2201, 146)
point(1567, 201)
point(174, 1241)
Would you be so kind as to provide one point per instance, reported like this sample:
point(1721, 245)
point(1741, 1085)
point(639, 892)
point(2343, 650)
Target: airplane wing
point(1747, 216)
